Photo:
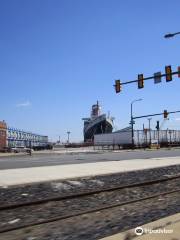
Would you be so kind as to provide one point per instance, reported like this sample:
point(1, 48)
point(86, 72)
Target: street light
point(170, 35)
point(68, 133)
point(132, 120)
point(149, 119)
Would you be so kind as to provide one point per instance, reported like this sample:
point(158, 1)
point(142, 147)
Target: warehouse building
point(20, 138)
point(14, 138)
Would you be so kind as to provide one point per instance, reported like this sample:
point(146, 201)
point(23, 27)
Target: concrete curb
point(164, 228)
point(9, 177)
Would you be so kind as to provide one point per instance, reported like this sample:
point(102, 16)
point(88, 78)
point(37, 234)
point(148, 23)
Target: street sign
point(157, 77)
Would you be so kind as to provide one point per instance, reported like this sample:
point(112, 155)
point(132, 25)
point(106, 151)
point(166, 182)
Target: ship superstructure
point(97, 123)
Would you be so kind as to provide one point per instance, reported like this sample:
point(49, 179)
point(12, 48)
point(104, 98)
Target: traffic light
point(157, 77)
point(165, 114)
point(117, 86)
point(157, 125)
point(140, 81)
point(168, 72)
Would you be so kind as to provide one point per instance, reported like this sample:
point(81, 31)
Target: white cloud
point(24, 104)
point(177, 119)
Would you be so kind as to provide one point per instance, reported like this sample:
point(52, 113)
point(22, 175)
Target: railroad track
point(18, 217)
point(90, 192)
point(52, 190)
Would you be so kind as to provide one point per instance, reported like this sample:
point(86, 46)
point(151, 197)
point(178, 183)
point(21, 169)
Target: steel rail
point(91, 211)
point(88, 193)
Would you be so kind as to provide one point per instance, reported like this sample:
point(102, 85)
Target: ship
point(98, 123)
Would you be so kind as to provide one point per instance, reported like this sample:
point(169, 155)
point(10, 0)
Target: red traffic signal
point(165, 113)
point(117, 86)
point(168, 72)
point(140, 81)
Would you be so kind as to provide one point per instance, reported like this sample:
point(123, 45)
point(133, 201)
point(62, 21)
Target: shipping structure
point(142, 138)
point(97, 123)
point(121, 138)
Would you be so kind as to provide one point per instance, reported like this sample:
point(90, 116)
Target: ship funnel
point(96, 110)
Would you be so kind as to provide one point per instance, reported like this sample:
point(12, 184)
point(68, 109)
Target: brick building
point(3, 135)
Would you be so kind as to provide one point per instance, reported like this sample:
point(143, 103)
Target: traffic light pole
point(152, 115)
point(148, 78)
point(132, 127)
point(132, 121)
point(149, 119)
point(158, 137)
point(145, 116)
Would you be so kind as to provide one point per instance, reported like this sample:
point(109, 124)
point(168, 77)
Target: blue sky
point(58, 57)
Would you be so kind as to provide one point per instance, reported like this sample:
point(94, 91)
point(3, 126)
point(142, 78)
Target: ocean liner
point(97, 123)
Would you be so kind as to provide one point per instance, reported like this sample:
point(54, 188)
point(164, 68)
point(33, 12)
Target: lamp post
point(68, 133)
point(149, 119)
point(132, 120)
point(170, 35)
point(30, 148)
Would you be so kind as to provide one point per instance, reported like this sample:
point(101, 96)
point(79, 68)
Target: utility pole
point(68, 133)
point(30, 148)
point(158, 128)
point(149, 119)
point(132, 121)
point(170, 132)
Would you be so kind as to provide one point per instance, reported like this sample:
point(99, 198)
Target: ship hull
point(99, 125)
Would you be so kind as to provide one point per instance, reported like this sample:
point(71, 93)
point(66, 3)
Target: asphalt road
point(50, 159)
